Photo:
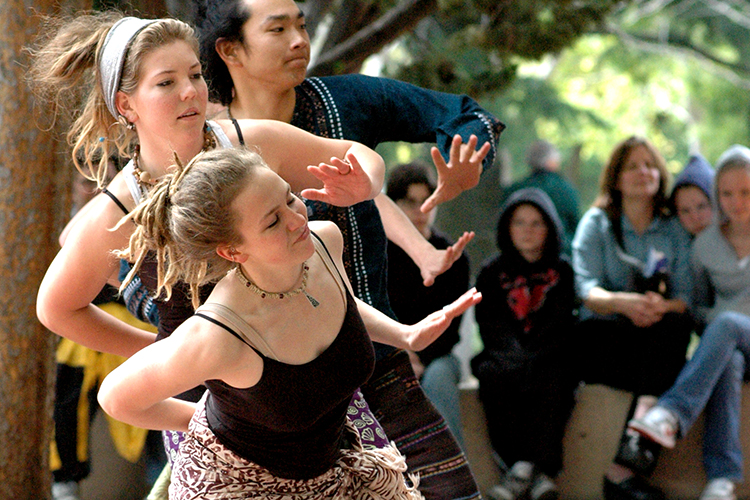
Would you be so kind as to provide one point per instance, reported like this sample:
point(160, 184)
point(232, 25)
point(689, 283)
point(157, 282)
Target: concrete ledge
point(590, 444)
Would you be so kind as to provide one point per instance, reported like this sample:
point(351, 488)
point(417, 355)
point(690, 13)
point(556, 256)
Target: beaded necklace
point(144, 178)
point(278, 295)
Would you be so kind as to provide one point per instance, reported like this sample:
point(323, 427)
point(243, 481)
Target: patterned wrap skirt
point(205, 469)
point(371, 434)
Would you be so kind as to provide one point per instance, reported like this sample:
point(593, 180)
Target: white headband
point(113, 56)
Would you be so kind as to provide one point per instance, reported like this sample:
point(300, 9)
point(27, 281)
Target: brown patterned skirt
point(205, 469)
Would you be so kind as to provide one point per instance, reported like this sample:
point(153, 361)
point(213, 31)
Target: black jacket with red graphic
point(528, 309)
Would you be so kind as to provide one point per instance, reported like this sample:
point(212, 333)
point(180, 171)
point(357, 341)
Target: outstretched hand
point(439, 261)
point(462, 171)
point(345, 183)
point(426, 331)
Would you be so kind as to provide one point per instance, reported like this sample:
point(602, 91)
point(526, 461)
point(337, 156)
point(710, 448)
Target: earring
point(125, 123)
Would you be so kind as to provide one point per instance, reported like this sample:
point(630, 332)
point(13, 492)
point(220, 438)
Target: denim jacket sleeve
point(375, 110)
point(589, 251)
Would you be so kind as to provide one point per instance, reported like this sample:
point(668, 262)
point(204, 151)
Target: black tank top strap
point(114, 198)
point(227, 328)
point(239, 131)
point(330, 259)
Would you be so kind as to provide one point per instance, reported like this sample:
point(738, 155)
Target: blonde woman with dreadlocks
point(281, 343)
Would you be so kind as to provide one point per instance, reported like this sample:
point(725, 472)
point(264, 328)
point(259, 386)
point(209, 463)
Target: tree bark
point(34, 196)
point(349, 55)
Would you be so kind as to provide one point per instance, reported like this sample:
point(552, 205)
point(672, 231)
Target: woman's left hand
point(345, 183)
point(425, 332)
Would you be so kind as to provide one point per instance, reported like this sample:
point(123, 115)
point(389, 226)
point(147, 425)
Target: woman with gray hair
point(712, 379)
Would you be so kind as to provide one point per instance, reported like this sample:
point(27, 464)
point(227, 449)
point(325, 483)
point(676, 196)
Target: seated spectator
point(438, 369)
point(525, 320)
point(691, 195)
point(712, 379)
point(544, 160)
point(631, 260)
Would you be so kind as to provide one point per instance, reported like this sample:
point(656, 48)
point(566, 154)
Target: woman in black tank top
point(281, 343)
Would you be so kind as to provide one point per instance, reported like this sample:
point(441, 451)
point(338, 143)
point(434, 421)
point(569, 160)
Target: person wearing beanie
point(691, 195)
point(544, 160)
point(712, 380)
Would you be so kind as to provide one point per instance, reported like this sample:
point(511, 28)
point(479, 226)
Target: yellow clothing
point(129, 441)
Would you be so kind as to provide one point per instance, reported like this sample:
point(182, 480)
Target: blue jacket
point(372, 111)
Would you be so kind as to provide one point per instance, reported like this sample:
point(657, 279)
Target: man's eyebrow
point(283, 17)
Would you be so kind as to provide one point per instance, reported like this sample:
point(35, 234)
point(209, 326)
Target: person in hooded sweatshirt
point(524, 321)
point(712, 379)
point(691, 195)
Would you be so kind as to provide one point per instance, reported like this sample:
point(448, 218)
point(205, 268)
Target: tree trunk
point(34, 191)
point(348, 56)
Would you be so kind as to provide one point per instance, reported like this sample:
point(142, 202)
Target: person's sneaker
point(543, 488)
point(65, 491)
point(659, 425)
point(632, 488)
point(718, 489)
point(515, 484)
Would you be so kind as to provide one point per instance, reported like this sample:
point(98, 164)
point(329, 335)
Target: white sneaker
point(659, 425)
point(719, 489)
point(65, 491)
point(543, 488)
point(515, 484)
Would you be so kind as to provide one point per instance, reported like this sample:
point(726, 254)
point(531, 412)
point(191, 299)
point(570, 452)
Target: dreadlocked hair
point(187, 215)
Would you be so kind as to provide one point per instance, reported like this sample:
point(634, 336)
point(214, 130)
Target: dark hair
point(403, 176)
point(217, 19)
point(609, 198)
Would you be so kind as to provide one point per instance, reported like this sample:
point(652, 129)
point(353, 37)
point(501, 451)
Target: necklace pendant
point(311, 299)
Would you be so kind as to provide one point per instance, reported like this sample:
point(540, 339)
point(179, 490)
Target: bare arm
point(415, 337)
point(399, 229)
point(289, 151)
point(140, 391)
point(76, 276)
point(381, 327)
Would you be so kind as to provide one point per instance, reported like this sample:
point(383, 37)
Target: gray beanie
point(735, 153)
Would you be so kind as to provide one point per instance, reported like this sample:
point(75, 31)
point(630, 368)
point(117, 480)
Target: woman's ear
point(227, 50)
point(230, 253)
point(124, 106)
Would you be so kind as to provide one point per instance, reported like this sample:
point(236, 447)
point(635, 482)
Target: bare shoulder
point(214, 352)
point(330, 234)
